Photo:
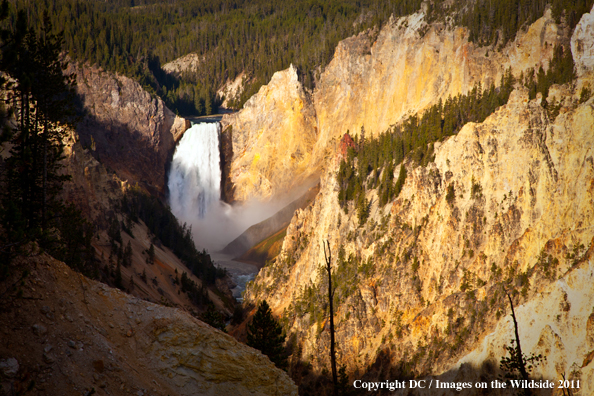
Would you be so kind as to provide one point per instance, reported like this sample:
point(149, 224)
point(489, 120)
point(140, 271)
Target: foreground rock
point(70, 335)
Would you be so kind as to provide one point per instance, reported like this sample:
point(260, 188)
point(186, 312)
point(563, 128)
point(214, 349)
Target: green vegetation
point(518, 365)
point(163, 224)
point(214, 318)
point(134, 37)
point(266, 334)
point(370, 164)
point(32, 178)
point(497, 22)
point(561, 71)
point(413, 138)
point(198, 295)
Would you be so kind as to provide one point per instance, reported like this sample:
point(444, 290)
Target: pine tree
point(118, 278)
point(127, 258)
point(265, 334)
point(31, 208)
point(214, 318)
point(151, 255)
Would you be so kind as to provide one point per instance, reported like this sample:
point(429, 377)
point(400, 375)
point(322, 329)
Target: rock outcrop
point(582, 44)
point(186, 63)
point(127, 129)
point(373, 81)
point(67, 334)
point(272, 139)
point(420, 286)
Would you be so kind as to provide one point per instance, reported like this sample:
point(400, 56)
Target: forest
point(136, 37)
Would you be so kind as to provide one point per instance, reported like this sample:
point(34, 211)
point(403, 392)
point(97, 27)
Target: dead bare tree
point(328, 257)
point(518, 362)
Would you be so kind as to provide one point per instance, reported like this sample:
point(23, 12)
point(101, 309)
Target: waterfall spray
point(195, 191)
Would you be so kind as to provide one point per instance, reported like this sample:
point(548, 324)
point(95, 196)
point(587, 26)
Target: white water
point(195, 191)
point(195, 175)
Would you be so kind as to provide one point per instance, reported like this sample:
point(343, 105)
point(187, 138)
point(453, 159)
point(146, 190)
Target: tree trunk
point(519, 355)
point(328, 258)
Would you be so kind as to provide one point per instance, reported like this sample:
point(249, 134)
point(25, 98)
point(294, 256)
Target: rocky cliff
point(506, 205)
point(373, 81)
point(66, 334)
point(128, 130)
point(272, 139)
point(98, 190)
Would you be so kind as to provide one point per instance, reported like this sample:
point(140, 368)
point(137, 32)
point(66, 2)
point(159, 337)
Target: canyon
point(505, 206)
point(421, 286)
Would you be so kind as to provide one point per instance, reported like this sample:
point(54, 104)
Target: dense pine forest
point(135, 37)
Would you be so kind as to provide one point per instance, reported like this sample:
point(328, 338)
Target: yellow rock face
point(405, 70)
point(536, 179)
point(272, 139)
point(409, 67)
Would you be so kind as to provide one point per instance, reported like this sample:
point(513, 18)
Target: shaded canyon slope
point(98, 191)
point(507, 204)
point(81, 337)
point(285, 134)
point(128, 130)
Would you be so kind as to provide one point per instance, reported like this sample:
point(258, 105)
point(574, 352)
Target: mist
point(194, 192)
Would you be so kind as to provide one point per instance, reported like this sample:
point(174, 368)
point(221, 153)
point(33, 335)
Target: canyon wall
point(427, 274)
point(373, 81)
point(128, 130)
point(272, 139)
point(507, 205)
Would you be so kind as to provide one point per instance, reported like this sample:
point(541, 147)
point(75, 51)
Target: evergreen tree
point(151, 255)
point(344, 388)
point(127, 258)
point(214, 318)
point(362, 208)
point(118, 278)
point(32, 180)
point(265, 334)
point(518, 366)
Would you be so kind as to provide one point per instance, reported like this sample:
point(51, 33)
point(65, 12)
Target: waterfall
point(195, 174)
point(195, 191)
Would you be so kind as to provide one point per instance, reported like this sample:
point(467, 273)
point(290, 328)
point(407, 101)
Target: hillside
point(505, 204)
point(67, 334)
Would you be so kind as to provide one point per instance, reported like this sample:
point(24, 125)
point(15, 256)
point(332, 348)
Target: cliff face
point(374, 80)
point(272, 139)
point(186, 63)
point(582, 44)
point(506, 204)
point(69, 335)
point(126, 129)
